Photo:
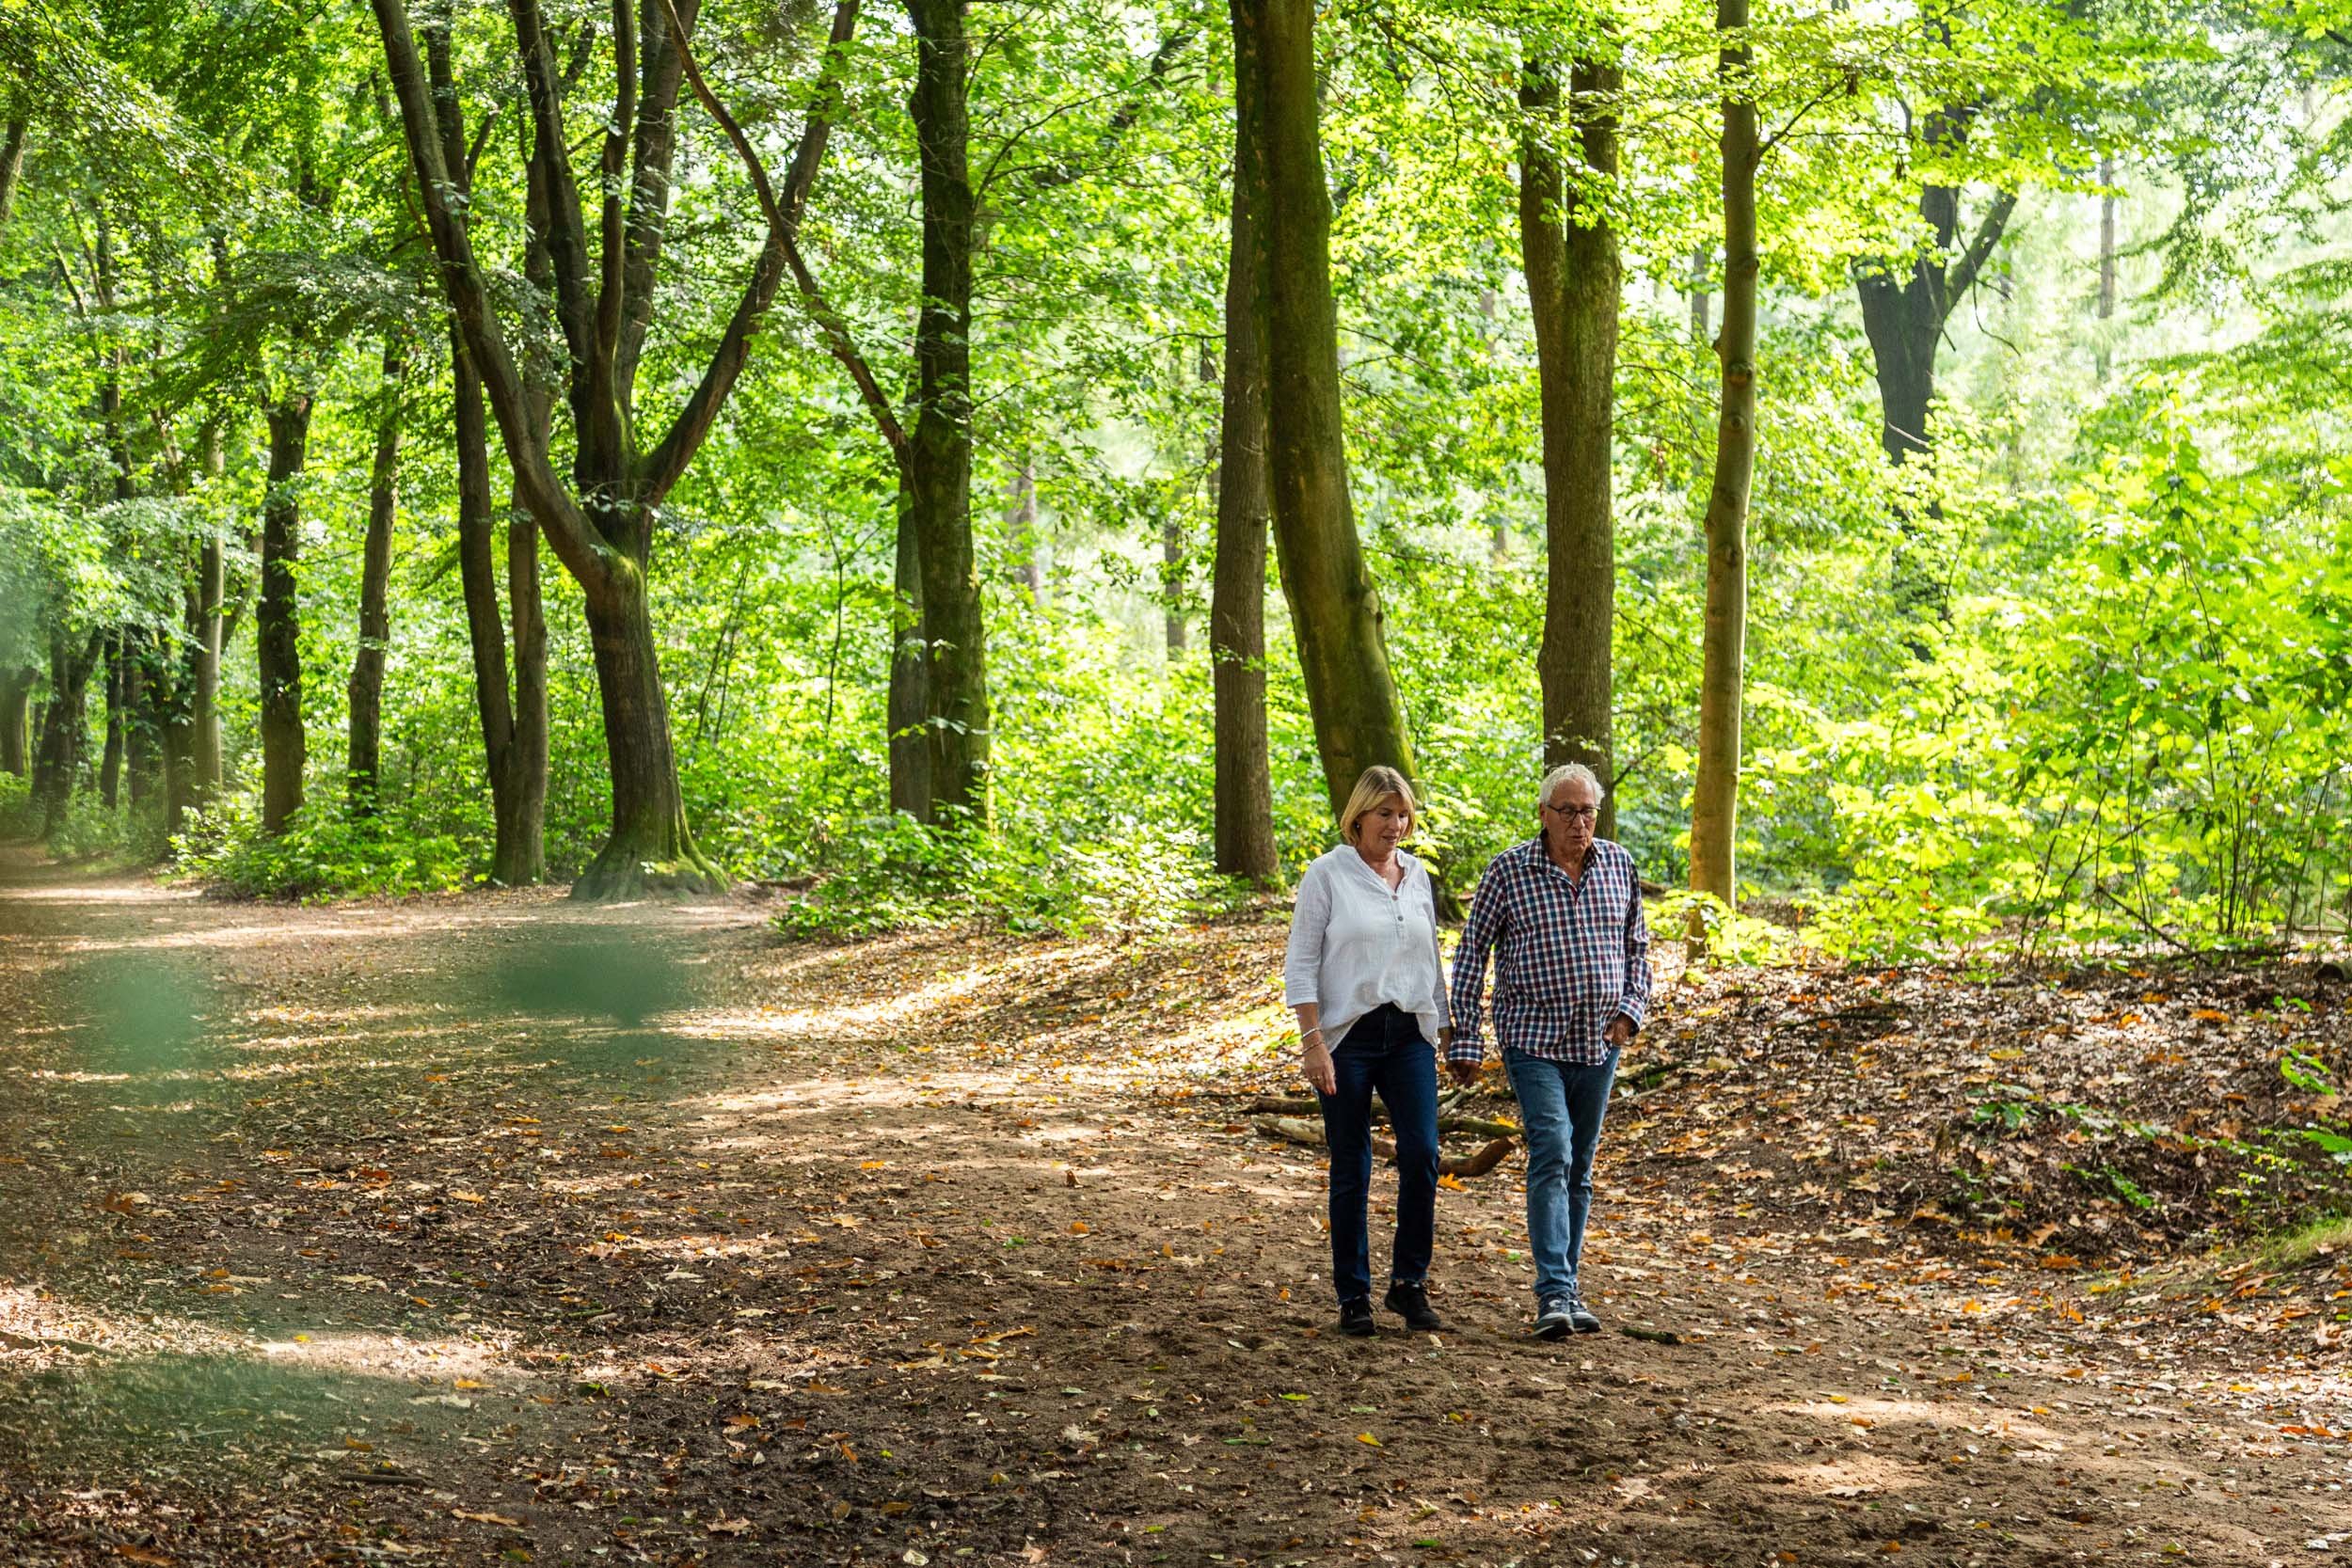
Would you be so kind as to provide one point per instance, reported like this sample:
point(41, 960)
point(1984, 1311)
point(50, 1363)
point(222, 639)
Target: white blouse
point(1356, 943)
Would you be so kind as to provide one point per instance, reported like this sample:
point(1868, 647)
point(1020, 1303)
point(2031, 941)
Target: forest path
point(496, 1229)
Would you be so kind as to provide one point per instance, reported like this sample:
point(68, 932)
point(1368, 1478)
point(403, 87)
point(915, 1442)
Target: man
point(1562, 915)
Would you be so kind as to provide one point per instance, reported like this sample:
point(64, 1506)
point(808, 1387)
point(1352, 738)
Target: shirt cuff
point(1466, 1049)
point(1631, 1015)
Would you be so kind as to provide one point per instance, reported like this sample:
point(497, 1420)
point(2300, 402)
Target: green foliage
point(323, 853)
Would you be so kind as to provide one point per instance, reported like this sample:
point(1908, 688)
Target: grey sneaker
point(1581, 1317)
point(1553, 1318)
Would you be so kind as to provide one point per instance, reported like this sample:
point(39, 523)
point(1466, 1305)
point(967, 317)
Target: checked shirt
point(1570, 955)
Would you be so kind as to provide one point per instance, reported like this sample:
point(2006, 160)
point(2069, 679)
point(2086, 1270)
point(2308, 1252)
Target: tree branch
point(614, 244)
point(668, 461)
point(666, 29)
point(567, 529)
point(1963, 277)
point(567, 240)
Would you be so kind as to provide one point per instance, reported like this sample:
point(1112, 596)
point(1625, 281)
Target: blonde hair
point(1376, 786)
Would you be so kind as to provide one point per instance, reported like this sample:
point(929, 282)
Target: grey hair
point(1570, 772)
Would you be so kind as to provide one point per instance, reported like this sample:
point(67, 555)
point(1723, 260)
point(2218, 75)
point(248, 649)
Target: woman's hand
point(1316, 1059)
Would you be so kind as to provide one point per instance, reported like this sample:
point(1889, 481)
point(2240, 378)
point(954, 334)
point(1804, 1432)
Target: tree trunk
point(650, 847)
point(1573, 284)
point(2106, 254)
point(16, 701)
point(12, 163)
point(1334, 608)
point(364, 753)
point(277, 621)
point(1702, 330)
point(1715, 794)
point(513, 722)
point(1029, 567)
point(147, 702)
point(1173, 633)
point(908, 717)
point(939, 459)
point(110, 764)
point(1244, 787)
point(65, 725)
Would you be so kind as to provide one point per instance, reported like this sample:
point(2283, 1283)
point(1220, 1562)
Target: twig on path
point(1655, 1336)
point(390, 1478)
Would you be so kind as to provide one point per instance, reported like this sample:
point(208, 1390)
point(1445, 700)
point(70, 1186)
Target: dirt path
point(498, 1232)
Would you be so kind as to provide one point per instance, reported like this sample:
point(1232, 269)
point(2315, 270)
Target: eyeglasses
point(1575, 814)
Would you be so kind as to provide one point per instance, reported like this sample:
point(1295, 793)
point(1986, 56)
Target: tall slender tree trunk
point(1702, 329)
point(1174, 635)
point(65, 724)
point(146, 701)
point(939, 458)
point(1244, 785)
point(12, 163)
point(364, 751)
point(110, 763)
point(1029, 567)
point(208, 632)
point(1574, 286)
point(16, 701)
point(1715, 794)
point(909, 714)
point(2106, 255)
point(277, 621)
point(365, 685)
point(513, 719)
point(1334, 608)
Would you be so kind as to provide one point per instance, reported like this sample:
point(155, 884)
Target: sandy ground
point(497, 1230)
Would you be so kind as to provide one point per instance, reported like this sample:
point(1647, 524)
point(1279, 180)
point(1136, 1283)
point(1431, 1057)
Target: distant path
point(442, 1231)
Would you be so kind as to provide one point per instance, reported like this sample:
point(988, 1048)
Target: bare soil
point(500, 1230)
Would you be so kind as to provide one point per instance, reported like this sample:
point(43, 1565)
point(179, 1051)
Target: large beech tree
point(600, 523)
point(1569, 246)
point(1335, 610)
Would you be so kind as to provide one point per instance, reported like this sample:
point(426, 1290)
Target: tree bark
point(16, 701)
point(1335, 610)
point(12, 163)
point(938, 457)
point(1702, 330)
point(1174, 635)
point(1906, 303)
point(65, 725)
point(1715, 794)
point(364, 751)
point(908, 715)
point(1244, 787)
point(276, 620)
point(1027, 569)
point(2106, 255)
point(1574, 285)
point(110, 762)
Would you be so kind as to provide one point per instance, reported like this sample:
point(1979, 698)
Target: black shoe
point(1355, 1317)
point(1553, 1320)
point(1411, 1303)
point(1581, 1317)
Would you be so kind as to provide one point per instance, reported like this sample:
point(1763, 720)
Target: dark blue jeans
point(1562, 1106)
point(1383, 1052)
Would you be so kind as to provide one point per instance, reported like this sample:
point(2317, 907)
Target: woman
point(1365, 978)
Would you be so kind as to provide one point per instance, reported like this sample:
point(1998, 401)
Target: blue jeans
point(1561, 1104)
point(1382, 1050)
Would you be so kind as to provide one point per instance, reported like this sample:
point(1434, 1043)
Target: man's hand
point(1620, 1032)
point(1465, 1073)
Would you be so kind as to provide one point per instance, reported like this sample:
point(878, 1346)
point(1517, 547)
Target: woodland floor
point(497, 1230)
